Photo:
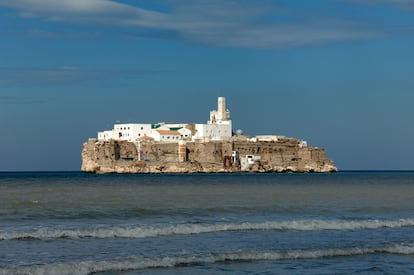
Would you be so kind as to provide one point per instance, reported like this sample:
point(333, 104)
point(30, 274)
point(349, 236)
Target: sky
point(336, 73)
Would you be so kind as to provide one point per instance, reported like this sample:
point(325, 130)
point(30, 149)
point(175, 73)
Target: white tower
point(219, 126)
point(221, 108)
point(221, 115)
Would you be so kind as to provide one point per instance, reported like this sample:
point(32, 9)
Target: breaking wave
point(135, 263)
point(192, 228)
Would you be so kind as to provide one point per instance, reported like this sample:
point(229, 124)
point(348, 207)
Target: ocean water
point(75, 223)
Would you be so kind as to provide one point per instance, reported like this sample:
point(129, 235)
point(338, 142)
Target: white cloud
point(209, 22)
point(93, 11)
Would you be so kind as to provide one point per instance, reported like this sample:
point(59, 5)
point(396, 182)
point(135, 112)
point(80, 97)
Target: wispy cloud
point(10, 77)
point(210, 22)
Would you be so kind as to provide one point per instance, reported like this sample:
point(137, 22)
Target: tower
point(221, 108)
point(221, 115)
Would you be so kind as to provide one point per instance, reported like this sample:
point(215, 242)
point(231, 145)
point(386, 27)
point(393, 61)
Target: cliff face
point(285, 155)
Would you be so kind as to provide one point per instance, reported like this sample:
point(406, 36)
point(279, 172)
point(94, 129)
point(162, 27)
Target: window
point(142, 128)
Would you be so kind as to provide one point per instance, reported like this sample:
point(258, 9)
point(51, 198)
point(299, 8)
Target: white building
point(213, 131)
point(131, 131)
point(218, 127)
point(183, 132)
point(166, 135)
point(268, 138)
point(106, 135)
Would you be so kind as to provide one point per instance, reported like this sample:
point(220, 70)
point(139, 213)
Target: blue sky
point(337, 73)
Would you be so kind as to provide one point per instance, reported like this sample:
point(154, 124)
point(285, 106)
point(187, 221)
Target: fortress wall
point(157, 151)
point(273, 152)
point(126, 150)
point(205, 152)
point(214, 156)
point(305, 153)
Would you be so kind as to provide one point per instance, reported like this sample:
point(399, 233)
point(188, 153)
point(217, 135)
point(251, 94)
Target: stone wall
point(284, 155)
point(157, 151)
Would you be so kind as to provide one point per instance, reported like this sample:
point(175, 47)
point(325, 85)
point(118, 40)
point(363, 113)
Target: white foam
point(189, 228)
point(88, 267)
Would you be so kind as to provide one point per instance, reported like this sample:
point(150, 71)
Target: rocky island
point(198, 148)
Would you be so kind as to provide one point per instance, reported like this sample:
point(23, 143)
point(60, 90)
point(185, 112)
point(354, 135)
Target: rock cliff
point(283, 155)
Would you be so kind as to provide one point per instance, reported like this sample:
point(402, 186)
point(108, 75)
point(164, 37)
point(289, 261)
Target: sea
point(77, 223)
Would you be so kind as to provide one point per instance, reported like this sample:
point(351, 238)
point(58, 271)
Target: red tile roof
point(168, 132)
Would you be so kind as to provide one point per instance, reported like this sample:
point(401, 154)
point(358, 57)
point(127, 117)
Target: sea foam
point(192, 228)
point(136, 263)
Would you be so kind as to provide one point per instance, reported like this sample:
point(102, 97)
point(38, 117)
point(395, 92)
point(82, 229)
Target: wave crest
point(88, 267)
point(190, 228)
